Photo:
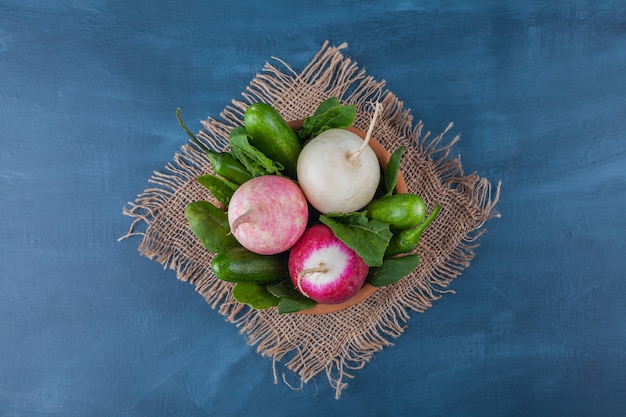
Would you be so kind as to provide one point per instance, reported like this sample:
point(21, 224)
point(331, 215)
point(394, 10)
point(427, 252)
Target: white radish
point(324, 269)
point(268, 214)
point(338, 171)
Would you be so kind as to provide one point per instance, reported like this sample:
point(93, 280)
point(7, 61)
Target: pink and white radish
point(338, 171)
point(268, 214)
point(324, 269)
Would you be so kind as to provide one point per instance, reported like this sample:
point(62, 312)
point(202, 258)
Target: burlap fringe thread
point(341, 342)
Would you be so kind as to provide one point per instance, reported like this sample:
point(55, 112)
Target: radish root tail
point(243, 218)
point(354, 157)
point(308, 271)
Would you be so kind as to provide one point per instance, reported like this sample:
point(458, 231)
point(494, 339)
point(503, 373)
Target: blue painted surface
point(88, 91)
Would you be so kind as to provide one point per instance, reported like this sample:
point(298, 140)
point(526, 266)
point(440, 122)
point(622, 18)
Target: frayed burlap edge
point(339, 343)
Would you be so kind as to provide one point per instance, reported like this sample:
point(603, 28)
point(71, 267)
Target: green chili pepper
point(228, 167)
point(223, 163)
point(407, 240)
point(221, 189)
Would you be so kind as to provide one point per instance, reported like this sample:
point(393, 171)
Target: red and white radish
point(268, 214)
point(338, 171)
point(324, 269)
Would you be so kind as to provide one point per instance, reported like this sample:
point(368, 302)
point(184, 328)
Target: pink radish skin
point(268, 214)
point(324, 269)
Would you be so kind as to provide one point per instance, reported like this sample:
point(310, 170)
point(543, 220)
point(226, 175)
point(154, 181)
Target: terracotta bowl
point(367, 289)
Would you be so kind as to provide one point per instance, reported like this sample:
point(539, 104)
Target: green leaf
point(210, 225)
point(356, 217)
point(291, 300)
point(238, 131)
point(368, 238)
point(393, 168)
point(253, 159)
point(293, 305)
point(326, 105)
point(393, 270)
point(255, 295)
point(219, 187)
point(328, 115)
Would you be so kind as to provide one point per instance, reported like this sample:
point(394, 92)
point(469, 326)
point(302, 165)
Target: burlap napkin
point(336, 343)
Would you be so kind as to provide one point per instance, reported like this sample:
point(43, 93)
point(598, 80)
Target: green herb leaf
point(329, 114)
point(219, 187)
point(255, 295)
point(253, 159)
point(368, 238)
point(393, 270)
point(326, 105)
point(291, 300)
point(356, 217)
point(293, 305)
point(210, 225)
point(392, 170)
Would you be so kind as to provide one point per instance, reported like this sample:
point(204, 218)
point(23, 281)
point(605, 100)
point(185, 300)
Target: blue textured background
point(88, 90)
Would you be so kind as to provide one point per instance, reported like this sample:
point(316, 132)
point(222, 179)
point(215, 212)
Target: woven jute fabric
point(338, 343)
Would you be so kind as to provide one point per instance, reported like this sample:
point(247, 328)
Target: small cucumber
point(407, 240)
point(241, 265)
point(401, 211)
point(272, 136)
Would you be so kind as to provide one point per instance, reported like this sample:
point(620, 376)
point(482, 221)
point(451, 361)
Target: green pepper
point(220, 188)
point(223, 163)
point(407, 240)
point(228, 167)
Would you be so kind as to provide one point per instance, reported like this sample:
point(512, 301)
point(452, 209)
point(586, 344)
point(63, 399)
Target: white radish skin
point(337, 173)
point(268, 214)
point(324, 269)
